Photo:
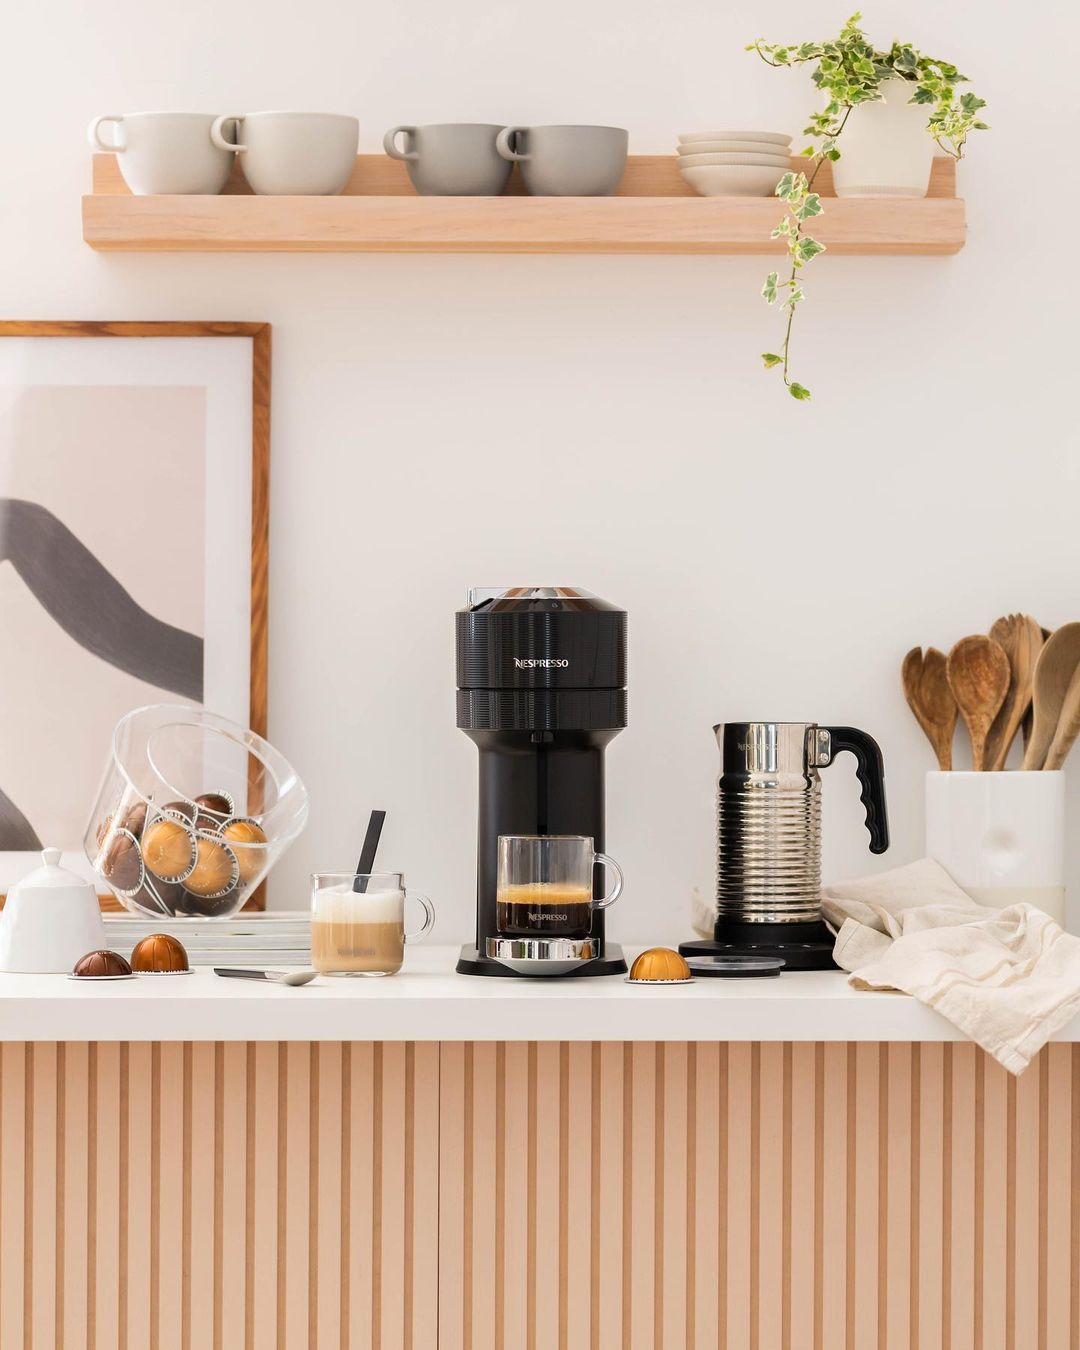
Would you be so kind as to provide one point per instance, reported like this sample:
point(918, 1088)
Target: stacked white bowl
point(734, 163)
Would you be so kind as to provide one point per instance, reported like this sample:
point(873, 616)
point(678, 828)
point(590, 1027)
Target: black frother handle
point(870, 768)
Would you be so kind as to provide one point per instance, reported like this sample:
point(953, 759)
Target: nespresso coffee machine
point(541, 674)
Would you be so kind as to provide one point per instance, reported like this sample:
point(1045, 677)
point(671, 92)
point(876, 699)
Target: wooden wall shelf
point(652, 212)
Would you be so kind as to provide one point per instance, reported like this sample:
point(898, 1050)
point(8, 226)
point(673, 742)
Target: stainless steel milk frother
point(768, 835)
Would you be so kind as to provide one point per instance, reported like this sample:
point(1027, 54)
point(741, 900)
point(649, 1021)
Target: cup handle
point(93, 133)
point(616, 870)
point(216, 133)
point(503, 146)
point(429, 919)
point(389, 143)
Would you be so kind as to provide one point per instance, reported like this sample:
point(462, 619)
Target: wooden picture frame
point(260, 335)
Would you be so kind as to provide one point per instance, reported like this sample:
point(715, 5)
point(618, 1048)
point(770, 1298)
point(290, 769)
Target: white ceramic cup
point(287, 154)
point(164, 153)
point(1001, 836)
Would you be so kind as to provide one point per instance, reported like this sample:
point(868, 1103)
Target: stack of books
point(275, 938)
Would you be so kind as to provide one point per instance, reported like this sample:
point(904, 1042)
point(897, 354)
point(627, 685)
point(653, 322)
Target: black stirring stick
point(367, 853)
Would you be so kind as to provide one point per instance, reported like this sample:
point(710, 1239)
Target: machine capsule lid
point(506, 599)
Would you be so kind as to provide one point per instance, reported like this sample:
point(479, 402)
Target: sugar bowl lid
point(51, 877)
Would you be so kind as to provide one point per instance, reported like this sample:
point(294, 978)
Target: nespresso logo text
point(540, 663)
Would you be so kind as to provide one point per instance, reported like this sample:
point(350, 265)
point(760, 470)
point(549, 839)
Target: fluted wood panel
point(218, 1197)
point(537, 1196)
point(757, 1197)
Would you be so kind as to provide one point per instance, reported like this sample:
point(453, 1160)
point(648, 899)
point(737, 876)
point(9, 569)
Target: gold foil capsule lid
point(660, 965)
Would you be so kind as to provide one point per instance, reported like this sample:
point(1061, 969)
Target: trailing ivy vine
point(849, 71)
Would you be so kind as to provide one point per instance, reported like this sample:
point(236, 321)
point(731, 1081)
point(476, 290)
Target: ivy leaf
point(810, 207)
point(798, 391)
point(809, 248)
point(786, 183)
point(771, 359)
point(769, 289)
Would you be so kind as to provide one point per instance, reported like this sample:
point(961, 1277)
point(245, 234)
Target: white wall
point(441, 421)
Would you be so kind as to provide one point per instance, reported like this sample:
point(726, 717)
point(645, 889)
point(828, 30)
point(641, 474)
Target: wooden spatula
point(978, 674)
point(1054, 670)
point(1020, 637)
point(929, 697)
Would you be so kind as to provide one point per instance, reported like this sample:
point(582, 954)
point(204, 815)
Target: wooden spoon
point(930, 699)
point(1054, 670)
point(1021, 639)
point(978, 674)
point(1029, 716)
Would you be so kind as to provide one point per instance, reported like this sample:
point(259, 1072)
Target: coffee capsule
point(241, 834)
point(169, 848)
point(185, 810)
point(216, 871)
point(122, 864)
point(160, 954)
point(660, 965)
point(102, 965)
point(217, 803)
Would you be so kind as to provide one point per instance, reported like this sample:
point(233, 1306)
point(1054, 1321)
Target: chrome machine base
point(542, 957)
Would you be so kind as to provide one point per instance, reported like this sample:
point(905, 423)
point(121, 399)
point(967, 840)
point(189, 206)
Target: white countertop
point(427, 1001)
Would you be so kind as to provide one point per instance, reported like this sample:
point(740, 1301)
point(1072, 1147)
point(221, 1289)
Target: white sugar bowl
point(50, 919)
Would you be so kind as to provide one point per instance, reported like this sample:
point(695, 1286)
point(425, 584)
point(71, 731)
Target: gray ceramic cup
point(451, 159)
point(567, 161)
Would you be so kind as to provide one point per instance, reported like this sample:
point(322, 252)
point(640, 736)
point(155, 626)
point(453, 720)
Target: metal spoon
point(930, 699)
point(1054, 670)
point(1021, 639)
point(293, 978)
point(978, 674)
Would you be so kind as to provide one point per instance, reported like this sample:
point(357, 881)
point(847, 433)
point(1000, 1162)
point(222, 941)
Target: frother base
point(611, 963)
point(801, 946)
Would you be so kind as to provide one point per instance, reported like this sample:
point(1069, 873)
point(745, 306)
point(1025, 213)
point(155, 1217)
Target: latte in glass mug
point(358, 931)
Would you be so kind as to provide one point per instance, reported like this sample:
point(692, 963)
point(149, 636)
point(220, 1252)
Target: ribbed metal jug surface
point(768, 821)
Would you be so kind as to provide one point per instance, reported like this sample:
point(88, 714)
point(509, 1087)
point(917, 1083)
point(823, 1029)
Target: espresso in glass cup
point(358, 922)
point(546, 885)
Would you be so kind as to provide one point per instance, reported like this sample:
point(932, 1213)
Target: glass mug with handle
point(545, 885)
point(358, 922)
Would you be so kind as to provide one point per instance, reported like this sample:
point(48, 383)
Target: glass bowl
point(192, 813)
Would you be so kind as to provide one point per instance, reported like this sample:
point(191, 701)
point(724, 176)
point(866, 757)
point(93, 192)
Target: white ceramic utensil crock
point(1001, 836)
point(49, 920)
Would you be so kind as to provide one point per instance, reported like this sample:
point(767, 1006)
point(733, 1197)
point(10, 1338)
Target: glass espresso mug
point(545, 885)
point(358, 922)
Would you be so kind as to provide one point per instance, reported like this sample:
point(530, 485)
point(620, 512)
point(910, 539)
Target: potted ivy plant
point(888, 108)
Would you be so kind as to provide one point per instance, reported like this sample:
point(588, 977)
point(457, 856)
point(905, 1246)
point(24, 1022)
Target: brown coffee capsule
point(217, 803)
point(134, 819)
point(101, 966)
point(241, 833)
point(103, 828)
point(212, 906)
point(208, 824)
point(185, 810)
point(216, 871)
point(159, 953)
point(169, 848)
point(122, 865)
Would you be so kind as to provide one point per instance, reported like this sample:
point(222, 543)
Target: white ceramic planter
point(1001, 836)
point(885, 149)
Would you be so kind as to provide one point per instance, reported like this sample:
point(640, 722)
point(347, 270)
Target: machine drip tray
point(612, 962)
point(801, 946)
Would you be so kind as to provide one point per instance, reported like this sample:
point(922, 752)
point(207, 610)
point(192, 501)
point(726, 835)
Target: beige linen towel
point(1008, 978)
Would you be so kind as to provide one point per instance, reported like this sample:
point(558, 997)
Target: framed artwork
point(134, 532)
